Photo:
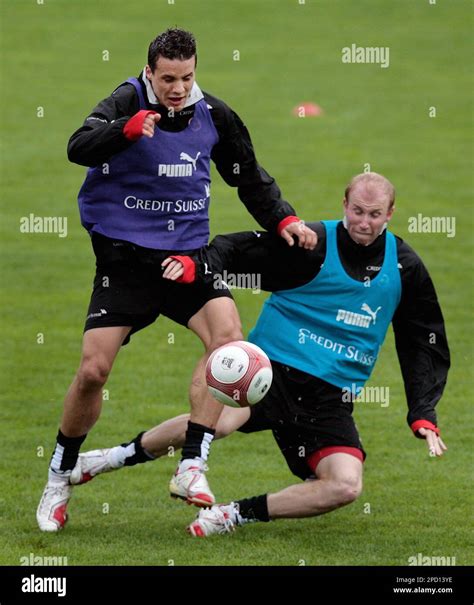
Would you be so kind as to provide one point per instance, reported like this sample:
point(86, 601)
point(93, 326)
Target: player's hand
point(307, 238)
point(148, 128)
point(141, 124)
point(173, 268)
point(434, 442)
point(181, 269)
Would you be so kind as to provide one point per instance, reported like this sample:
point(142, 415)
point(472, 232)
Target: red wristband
point(287, 221)
point(133, 128)
point(423, 424)
point(189, 267)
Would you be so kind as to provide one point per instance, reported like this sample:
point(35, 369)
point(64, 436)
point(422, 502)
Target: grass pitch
point(289, 53)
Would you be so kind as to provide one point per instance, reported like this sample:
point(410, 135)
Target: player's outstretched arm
point(237, 164)
point(219, 255)
point(264, 255)
point(422, 348)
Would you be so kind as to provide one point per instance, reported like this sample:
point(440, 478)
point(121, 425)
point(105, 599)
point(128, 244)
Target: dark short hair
point(174, 43)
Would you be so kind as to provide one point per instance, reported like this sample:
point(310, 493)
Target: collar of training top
point(194, 96)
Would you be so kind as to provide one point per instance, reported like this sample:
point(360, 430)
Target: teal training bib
point(333, 326)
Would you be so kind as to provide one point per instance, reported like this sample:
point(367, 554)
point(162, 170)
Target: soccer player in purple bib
point(145, 198)
point(322, 328)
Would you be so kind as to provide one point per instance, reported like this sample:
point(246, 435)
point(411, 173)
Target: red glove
point(423, 424)
point(134, 127)
point(286, 221)
point(189, 267)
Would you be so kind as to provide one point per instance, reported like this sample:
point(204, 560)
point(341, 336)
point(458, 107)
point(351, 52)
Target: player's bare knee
point(346, 490)
point(93, 373)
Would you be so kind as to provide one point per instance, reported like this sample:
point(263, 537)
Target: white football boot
point(191, 485)
point(51, 513)
point(219, 519)
point(95, 462)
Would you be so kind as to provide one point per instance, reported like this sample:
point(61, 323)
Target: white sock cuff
point(205, 445)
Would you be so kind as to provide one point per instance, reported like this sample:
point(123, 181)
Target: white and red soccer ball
point(239, 374)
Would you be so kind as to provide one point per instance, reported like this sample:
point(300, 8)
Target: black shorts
point(129, 289)
point(305, 414)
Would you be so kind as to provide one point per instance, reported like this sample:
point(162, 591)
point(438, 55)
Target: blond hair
point(374, 184)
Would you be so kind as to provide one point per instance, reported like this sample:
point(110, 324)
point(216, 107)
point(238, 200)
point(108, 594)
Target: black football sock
point(198, 441)
point(65, 453)
point(135, 453)
point(253, 509)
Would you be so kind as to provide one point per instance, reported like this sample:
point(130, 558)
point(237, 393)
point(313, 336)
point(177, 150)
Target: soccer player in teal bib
point(322, 327)
point(339, 338)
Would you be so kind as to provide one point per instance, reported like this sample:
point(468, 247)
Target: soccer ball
point(238, 374)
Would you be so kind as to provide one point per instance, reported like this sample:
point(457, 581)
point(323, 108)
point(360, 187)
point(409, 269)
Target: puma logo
point(373, 314)
point(187, 158)
point(356, 319)
point(179, 170)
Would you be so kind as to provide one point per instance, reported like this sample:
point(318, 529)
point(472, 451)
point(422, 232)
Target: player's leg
point(172, 433)
point(83, 401)
point(306, 415)
point(159, 441)
point(162, 440)
point(323, 426)
point(216, 323)
point(338, 483)
point(82, 407)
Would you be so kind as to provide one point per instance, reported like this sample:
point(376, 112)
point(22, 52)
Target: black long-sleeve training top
point(418, 324)
point(101, 136)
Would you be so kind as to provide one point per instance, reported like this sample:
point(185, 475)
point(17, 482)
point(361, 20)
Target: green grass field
point(289, 53)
